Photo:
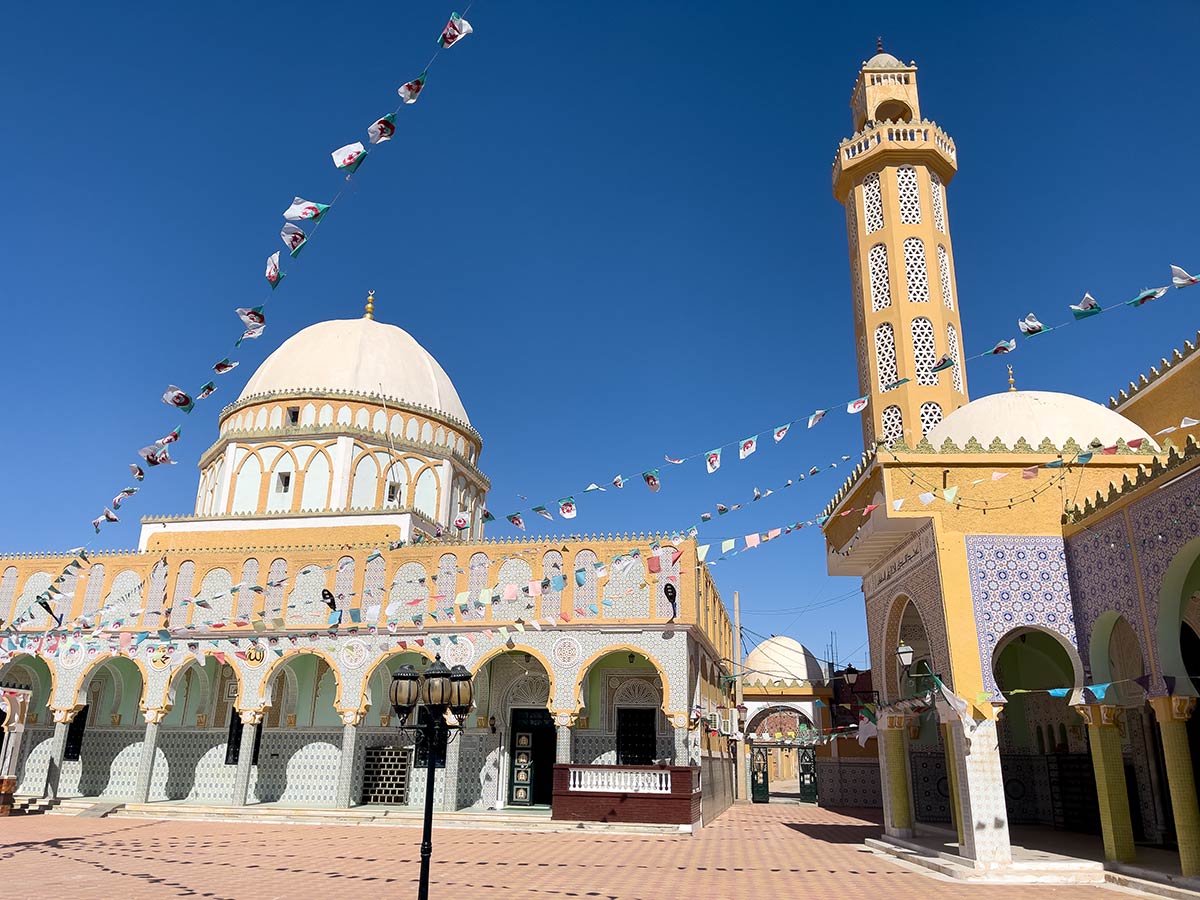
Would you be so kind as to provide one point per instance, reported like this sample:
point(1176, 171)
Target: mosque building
point(205, 669)
point(1034, 552)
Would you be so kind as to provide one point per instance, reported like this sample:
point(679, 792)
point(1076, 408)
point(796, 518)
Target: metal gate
point(808, 774)
point(760, 776)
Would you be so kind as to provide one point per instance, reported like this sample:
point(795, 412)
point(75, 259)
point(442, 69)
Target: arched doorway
point(30, 760)
point(1049, 780)
point(390, 768)
point(103, 748)
point(787, 739)
point(513, 697)
point(299, 746)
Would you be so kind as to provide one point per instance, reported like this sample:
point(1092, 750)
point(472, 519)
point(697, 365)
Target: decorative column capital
point(1100, 715)
point(65, 716)
point(892, 721)
point(565, 718)
point(352, 716)
point(155, 716)
point(1173, 709)
point(251, 716)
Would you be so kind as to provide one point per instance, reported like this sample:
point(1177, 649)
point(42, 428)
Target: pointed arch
point(586, 666)
point(261, 696)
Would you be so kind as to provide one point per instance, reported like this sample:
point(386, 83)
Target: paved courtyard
point(781, 850)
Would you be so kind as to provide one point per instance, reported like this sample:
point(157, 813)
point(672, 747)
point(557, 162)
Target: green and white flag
point(207, 391)
point(349, 157)
point(411, 90)
point(566, 507)
point(293, 238)
point(302, 209)
point(252, 317)
point(456, 29)
point(225, 365)
point(177, 398)
point(382, 129)
point(274, 276)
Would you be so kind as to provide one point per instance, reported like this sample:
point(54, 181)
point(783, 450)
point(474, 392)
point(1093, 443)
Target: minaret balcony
point(893, 142)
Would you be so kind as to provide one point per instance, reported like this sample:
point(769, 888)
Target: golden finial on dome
point(370, 313)
point(1012, 384)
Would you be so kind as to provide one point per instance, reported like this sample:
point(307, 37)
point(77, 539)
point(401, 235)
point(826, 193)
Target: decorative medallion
point(160, 657)
point(567, 651)
point(71, 658)
point(353, 654)
point(460, 653)
point(256, 655)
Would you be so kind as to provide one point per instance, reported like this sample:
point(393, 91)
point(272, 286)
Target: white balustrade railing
point(616, 780)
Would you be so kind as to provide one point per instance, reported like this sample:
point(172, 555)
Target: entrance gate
point(808, 775)
point(760, 776)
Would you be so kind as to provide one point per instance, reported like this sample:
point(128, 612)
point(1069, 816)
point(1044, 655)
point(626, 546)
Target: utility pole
point(741, 776)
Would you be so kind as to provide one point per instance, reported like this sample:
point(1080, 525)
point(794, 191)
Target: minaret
point(891, 177)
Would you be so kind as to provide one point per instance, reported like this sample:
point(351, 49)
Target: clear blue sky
point(612, 224)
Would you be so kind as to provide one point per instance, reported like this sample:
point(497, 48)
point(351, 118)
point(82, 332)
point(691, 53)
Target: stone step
point(1067, 871)
point(379, 817)
point(31, 806)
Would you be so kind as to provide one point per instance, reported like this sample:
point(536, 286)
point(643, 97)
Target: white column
point(145, 774)
point(345, 780)
point(224, 482)
point(445, 514)
point(62, 723)
point(342, 457)
point(982, 811)
point(562, 744)
point(251, 722)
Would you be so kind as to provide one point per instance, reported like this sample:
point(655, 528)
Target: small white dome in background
point(1034, 415)
point(782, 658)
point(358, 356)
point(883, 60)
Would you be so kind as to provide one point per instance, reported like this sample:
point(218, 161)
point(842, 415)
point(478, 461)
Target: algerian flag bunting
point(293, 238)
point(136, 471)
point(456, 29)
point(712, 460)
point(516, 520)
point(1180, 278)
point(1003, 347)
point(566, 507)
point(169, 438)
point(252, 317)
point(1146, 296)
point(177, 398)
point(382, 129)
point(946, 362)
point(274, 276)
point(747, 446)
point(543, 512)
point(1087, 307)
point(207, 391)
point(250, 334)
point(349, 157)
point(816, 417)
point(856, 406)
point(225, 365)
point(781, 432)
point(409, 91)
point(302, 209)
point(650, 476)
point(462, 521)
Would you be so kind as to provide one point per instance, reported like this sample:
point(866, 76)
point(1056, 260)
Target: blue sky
point(613, 225)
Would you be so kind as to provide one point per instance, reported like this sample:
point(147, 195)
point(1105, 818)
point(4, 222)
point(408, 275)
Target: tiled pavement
point(758, 852)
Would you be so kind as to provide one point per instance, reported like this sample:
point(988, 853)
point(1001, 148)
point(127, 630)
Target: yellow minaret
point(891, 177)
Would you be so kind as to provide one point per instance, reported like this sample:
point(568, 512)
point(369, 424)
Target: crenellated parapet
point(1144, 478)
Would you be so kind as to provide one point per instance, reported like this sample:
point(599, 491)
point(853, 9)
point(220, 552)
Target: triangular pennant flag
point(896, 504)
point(293, 238)
point(816, 417)
point(650, 476)
point(1180, 278)
point(856, 406)
point(593, 487)
point(1030, 326)
point(543, 512)
point(1087, 307)
point(224, 366)
point(516, 520)
point(747, 446)
point(456, 29)
point(781, 432)
point(950, 493)
point(566, 507)
point(1003, 347)
point(996, 476)
point(274, 276)
point(251, 317)
point(945, 362)
point(1030, 472)
point(1146, 296)
point(926, 497)
point(302, 210)
point(411, 90)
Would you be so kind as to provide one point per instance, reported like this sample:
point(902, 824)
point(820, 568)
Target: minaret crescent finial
point(879, 44)
point(370, 311)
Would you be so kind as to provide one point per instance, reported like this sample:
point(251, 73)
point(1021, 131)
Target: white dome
point(883, 60)
point(358, 356)
point(1034, 415)
point(782, 658)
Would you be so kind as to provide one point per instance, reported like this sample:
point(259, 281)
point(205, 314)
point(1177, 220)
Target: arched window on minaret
point(893, 424)
point(916, 278)
point(924, 352)
point(910, 196)
point(931, 415)
point(952, 342)
point(885, 354)
point(939, 209)
point(872, 203)
point(881, 288)
point(944, 277)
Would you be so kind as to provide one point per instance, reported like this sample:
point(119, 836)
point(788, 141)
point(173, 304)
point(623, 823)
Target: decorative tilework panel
point(848, 783)
point(194, 767)
point(1017, 582)
point(627, 590)
point(35, 760)
point(184, 583)
point(552, 600)
point(586, 593)
point(930, 786)
point(447, 584)
point(299, 767)
point(520, 573)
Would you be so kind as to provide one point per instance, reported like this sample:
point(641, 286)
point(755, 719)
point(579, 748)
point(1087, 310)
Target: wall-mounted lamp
point(492, 723)
point(631, 658)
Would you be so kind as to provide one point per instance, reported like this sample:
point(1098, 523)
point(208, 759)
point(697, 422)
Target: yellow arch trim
point(284, 660)
point(90, 669)
point(621, 648)
point(536, 654)
point(16, 661)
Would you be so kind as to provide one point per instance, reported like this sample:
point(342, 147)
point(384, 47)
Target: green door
point(760, 776)
point(808, 775)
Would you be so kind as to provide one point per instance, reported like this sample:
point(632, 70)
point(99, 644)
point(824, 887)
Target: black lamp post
point(441, 690)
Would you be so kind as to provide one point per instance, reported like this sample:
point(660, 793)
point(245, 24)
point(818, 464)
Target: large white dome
point(782, 658)
point(1034, 415)
point(358, 356)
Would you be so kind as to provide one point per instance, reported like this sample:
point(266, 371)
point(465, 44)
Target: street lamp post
point(442, 690)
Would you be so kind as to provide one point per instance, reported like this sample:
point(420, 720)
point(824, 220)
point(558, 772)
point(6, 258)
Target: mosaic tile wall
point(930, 787)
point(35, 760)
point(299, 767)
point(1027, 794)
point(190, 765)
point(1017, 581)
point(389, 737)
point(846, 783)
point(598, 749)
point(478, 770)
